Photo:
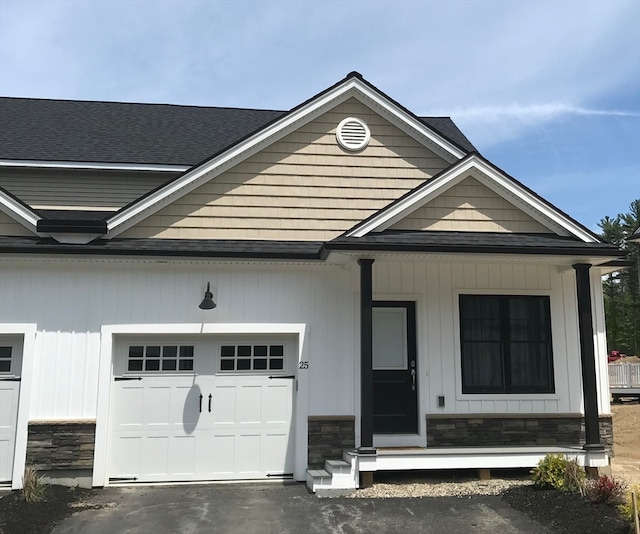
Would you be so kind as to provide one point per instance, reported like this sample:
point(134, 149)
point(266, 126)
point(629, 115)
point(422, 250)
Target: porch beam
point(587, 357)
point(366, 355)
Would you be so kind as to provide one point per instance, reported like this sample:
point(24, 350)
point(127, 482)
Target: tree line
point(622, 288)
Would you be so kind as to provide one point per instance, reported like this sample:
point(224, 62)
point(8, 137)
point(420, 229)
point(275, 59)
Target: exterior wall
point(322, 296)
point(470, 206)
point(303, 187)
point(328, 437)
point(481, 430)
point(90, 294)
point(435, 286)
point(80, 188)
point(9, 226)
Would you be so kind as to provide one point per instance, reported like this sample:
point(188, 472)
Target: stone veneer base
point(511, 430)
point(329, 435)
point(61, 446)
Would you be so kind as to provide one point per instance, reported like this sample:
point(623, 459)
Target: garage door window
point(251, 357)
point(169, 358)
point(5, 359)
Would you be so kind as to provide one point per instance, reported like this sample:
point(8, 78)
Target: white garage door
point(202, 411)
point(10, 366)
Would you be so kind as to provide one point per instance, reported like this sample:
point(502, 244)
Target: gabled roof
point(161, 134)
point(636, 235)
point(491, 176)
point(353, 86)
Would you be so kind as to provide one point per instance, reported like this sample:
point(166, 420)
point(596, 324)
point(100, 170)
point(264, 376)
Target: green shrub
point(33, 489)
point(550, 472)
point(626, 508)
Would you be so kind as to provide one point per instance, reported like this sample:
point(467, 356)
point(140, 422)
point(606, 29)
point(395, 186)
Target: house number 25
point(303, 365)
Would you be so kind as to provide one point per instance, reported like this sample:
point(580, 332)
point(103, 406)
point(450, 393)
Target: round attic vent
point(353, 134)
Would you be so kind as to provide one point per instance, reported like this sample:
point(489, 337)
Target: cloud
point(491, 125)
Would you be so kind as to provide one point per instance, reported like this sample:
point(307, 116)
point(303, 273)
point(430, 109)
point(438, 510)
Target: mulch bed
point(20, 517)
point(565, 512)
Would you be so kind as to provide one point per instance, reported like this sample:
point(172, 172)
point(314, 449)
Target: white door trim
point(28, 333)
point(105, 380)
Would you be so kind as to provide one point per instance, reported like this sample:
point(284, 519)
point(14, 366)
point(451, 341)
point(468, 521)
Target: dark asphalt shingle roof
point(472, 242)
point(114, 132)
point(393, 241)
point(196, 248)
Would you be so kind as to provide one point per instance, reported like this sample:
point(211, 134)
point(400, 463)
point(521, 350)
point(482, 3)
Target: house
point(191, 293)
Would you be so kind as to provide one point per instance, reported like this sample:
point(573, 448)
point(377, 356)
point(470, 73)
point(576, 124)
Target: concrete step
point(338, 467)
point(318, 479)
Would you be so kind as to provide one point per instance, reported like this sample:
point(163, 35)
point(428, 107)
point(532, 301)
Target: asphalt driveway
point(289, 508)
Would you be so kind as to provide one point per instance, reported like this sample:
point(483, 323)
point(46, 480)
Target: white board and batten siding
point(142, 296)
point(436, 287)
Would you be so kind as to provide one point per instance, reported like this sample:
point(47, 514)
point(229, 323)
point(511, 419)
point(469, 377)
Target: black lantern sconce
point(207, 302)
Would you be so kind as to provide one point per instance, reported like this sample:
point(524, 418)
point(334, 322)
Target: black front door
point(395, 388)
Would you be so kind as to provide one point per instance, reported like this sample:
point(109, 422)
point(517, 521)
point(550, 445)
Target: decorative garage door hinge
point(280, 475)
point(283, 376)
point(119, 378)
point(123, 479)
point(10, 379)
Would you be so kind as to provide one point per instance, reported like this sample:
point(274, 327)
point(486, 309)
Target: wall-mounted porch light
point(207, 302)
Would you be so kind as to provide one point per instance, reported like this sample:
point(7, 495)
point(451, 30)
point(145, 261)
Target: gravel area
point(441, 484)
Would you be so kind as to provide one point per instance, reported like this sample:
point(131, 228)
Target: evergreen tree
point(622, 288)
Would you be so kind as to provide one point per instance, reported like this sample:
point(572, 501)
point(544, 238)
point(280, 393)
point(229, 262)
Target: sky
point(548, 90)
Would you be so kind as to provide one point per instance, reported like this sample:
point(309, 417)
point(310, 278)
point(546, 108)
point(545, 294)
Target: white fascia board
point(19, 212)
point(215, 166)
point(93, 165)
point(538, 207)
point(409, 125)
point(541, 211)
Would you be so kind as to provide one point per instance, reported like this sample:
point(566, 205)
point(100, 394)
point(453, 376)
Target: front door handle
point(209, 402)
point(413, 377)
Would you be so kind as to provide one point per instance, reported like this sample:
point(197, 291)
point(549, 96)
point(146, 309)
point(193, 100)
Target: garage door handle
point(200, 409)
point(283, 376)
point(209, 402)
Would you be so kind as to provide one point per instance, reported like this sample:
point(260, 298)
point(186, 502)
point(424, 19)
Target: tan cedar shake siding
point(303, 187)
point(9, 226)
point(470, 206)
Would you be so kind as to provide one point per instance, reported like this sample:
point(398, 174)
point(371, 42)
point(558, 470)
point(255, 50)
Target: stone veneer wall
point(61, 445)
point(329, 435)
point(502, 430)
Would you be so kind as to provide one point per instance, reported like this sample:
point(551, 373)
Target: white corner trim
point(93, 165)
point(197, 176)
point(539, 210)
point(105, 380)
point(28, 333)
point(19, 212)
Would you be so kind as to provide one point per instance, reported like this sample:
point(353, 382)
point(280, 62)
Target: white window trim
point(105, 380)
point(460, 396)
